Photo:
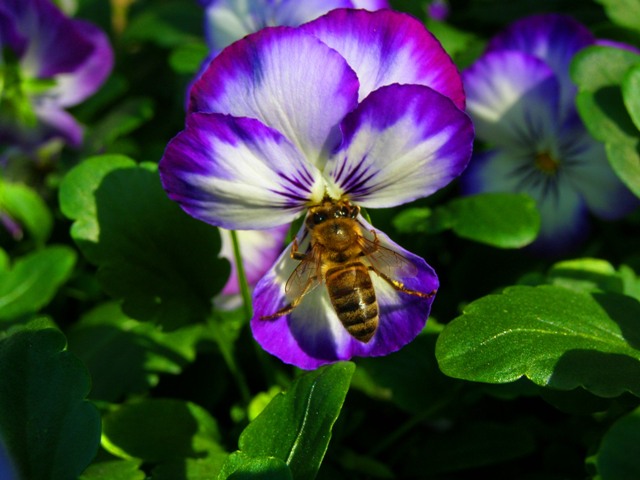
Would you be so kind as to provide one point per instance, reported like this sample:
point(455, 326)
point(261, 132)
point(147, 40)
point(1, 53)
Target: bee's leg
point(400, 286)
point(295, 253)
point(296, 301)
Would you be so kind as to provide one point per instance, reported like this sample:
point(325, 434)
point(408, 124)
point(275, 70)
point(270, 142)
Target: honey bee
point(342, 258)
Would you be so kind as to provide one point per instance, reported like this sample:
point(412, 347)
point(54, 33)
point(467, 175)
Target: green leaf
point(33, 280)
point(159, 260)
point(296, 426)
point(168, 24)
point(114, 470)
point(188, 57)
point(599, 73)
point(144, 351)
point(120, 121)
point(625, 13)
point(503, 220)
point(553, 336)
point(160, 430)
point(191, 468)
point(49, 427)
point(619, 454)
point(586, 275)
point(26, 207)
point(240, 466)
point(631, 93)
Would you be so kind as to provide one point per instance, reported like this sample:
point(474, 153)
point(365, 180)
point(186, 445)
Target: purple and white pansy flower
point(258, 250)
point(355, 106)
point(49, 62)
point(522, 101)
point(229, 20)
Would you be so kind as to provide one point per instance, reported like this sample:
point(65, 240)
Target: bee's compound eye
point(318, 218)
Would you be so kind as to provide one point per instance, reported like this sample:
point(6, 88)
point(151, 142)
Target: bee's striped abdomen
point(354, 299)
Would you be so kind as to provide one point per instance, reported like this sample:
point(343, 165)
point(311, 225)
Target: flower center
point(546, 163)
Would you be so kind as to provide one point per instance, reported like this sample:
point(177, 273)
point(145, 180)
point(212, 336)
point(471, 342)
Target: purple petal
point(288, 80)
point(371, 5)
point(386, 47)
point(56, 122)
point(85, 80)
point(553, 38)
point(56, 45)
point(312, 335)
point(403, 142)
point(237, 173)
point(259, 250)
point(512, 98)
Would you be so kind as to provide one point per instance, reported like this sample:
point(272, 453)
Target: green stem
point(242, 277)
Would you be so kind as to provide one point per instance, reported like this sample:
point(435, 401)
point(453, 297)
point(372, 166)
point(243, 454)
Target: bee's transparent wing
point(306, 275)
point(386, 261)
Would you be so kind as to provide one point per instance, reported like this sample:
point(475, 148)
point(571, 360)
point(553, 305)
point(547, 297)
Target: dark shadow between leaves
point(625, 311)
point(605, 374)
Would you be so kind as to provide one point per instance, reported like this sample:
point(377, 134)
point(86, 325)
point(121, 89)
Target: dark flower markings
point(352, 180)
point(302, 181)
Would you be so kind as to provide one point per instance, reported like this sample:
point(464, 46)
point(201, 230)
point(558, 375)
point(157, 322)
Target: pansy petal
point(71, 88)
point(295, 12)
point(553, 38)
point(287, 79)
point(401, 143)
point(237, 173)
point(386, 47)
point(563, 213)
point(512, 98)
point(312, 335)
point(370, 4)
point(56, 45)
point(57, 122)
point(259, 249)
point(590, 174)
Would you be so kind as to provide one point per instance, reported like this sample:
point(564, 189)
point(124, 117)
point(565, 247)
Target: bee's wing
point(386, 261)
point(305, 277)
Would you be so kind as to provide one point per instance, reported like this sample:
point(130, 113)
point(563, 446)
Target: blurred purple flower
point(355, 106)
point(522, 101)
point(48, 62)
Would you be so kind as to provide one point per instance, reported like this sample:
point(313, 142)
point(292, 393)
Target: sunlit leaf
point(503, 220)
point(51, 430)
point(239, 466)
point(553, 336)
point(27, 208)
point(295, 427)
point(33, 280)
point(151, 254)
point(599, 73)
point(625, 13)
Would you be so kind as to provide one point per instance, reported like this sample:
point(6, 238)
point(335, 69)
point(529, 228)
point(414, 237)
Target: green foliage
point(161, 262)
point(116, 364)
point(295, 428)
point(554, 336)
point(618, 454)
point(503, 220)
point(51, 430)
point(32, 281)
point(604, 76)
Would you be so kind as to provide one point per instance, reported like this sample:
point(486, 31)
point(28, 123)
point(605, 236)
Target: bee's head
point(331, 210)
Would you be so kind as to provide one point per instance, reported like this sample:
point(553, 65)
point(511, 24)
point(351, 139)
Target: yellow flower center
point(546, 163)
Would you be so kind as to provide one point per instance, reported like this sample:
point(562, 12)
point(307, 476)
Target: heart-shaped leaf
point(51, 430)
point(160, 261)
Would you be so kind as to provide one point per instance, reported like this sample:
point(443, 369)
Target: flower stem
point(242, 277)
